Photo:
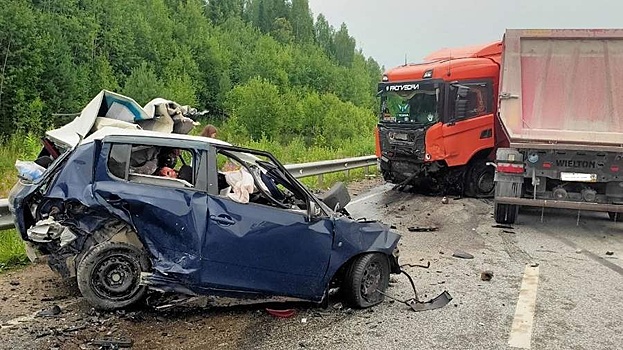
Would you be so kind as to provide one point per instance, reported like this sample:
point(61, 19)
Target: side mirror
point(313, 210)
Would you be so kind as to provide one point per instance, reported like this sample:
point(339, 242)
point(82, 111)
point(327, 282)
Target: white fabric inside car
point(241, 183)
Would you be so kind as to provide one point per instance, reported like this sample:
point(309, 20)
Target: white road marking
point(358, 200)
point(521, 330)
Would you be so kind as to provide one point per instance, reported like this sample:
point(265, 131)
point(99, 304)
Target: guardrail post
point(320, 180)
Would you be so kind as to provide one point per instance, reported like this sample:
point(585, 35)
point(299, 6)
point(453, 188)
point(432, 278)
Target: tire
point(505, 213)
point(479, 180)
point(109, 274)
point(367, 274)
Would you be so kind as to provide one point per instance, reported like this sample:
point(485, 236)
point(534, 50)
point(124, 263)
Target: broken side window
point(245, 177)
point(118, 160)
point(156, 165)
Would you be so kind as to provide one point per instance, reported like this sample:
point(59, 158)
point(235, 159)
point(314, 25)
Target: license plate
point(401, 137)
point(578, 177)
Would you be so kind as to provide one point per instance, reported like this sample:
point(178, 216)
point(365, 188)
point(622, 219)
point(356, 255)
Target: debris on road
point(444, 200)
point(416, 304)
point(609, 253)
point(112, 344)
point(486, 275)
point(423, 229)
point(461, 254)
point(281, 313)
point(534, 264)
point(75, 328)
point(14, 283)
point(55, 310)
point(508, 231)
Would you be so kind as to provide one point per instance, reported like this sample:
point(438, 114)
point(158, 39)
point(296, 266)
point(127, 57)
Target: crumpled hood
point(364, 236)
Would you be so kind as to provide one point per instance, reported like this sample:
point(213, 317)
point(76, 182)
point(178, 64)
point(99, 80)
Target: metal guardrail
point(298, 170)
point(329, 166)
point(6, 219)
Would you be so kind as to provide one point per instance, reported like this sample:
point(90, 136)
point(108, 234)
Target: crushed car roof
point(114, 131)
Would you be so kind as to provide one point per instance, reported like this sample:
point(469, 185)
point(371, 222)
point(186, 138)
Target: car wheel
point(367, 275)
point(109, 274)
point(505, 213)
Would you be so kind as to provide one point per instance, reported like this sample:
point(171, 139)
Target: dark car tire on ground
point(366, 274)
point(108, 276)
point(505, 213)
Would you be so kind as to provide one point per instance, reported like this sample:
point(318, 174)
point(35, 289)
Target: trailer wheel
point(505, 213)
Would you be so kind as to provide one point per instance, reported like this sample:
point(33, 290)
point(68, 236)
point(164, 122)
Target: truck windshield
point(410, 103)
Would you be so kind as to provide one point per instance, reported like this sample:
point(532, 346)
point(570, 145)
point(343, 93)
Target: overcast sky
point(389, 29)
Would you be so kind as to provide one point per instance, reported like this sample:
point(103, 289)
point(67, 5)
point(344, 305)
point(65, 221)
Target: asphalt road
point(572, 297)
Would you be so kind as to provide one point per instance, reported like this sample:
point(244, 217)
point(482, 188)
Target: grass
point(17, 146)
point(12, 251)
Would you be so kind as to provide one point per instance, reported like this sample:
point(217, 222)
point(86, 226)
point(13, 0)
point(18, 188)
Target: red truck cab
point(437, 121)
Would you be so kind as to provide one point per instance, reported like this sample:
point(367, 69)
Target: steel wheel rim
point(116, 277)
point(371, 281)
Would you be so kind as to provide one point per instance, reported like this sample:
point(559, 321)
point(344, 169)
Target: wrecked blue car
point(126, 210)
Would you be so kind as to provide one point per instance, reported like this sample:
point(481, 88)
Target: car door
point(258, 248)
point(170, 217)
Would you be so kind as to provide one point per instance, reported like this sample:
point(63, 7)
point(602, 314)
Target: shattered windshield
point(410, 103)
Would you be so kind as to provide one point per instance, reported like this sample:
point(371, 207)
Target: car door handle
point(223, 220)
point(113, 199)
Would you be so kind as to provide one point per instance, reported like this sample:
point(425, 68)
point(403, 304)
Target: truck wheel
point(366, 276)
point(108, 276)
point(505, 213)
point(480, 180)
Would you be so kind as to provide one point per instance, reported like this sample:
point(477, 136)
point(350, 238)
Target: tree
point(324, 35)
point(303, 21)
point(220, 10)
point(257, 105)
point(143, 85)
point(282, 31)
point(344, 46)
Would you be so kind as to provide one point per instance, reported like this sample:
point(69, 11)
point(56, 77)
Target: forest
point(266, 70)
